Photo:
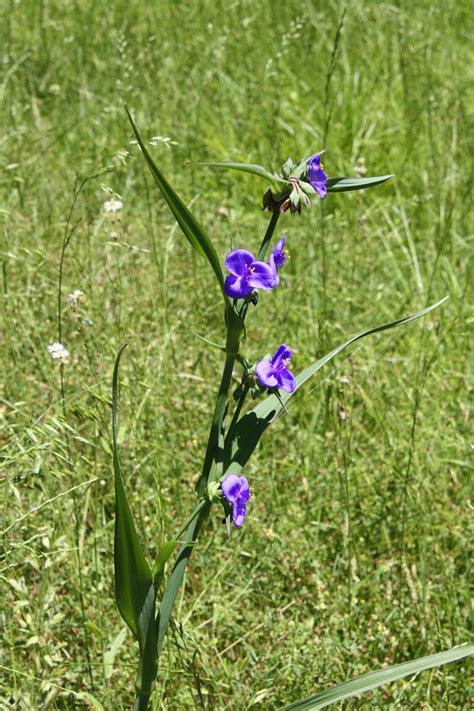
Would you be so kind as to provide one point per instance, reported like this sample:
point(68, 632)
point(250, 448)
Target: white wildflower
point(360, 168)
point(87, 321)
point(113, 205)
point(74, 298)
point(59, 353)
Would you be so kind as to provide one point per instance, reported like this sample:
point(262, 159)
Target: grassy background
point(356, 548)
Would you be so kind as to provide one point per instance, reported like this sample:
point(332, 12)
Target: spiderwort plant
point(146, 594)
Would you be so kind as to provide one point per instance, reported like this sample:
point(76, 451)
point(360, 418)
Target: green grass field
point(355, 553)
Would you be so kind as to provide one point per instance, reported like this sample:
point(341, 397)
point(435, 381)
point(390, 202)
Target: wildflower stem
point(268, 235)
point(191, 518)
point(263, 250)
point(234, 332)
point(237, 411)
point(217, 420)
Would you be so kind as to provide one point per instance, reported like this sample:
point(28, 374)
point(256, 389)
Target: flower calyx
point(304, 180)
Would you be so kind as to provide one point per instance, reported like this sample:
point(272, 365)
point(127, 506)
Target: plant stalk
point(263, 250)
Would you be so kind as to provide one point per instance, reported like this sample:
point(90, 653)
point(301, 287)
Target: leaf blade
point(176, 577)
point(193, 231)
point(134, 590)
point(252, 425)
point(276, 183)
point(372, 680)
point(341, 185)
point(164, 554)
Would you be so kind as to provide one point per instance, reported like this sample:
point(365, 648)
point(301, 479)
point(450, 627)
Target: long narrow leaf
point(176, 577)
point(276, 183)
point(134, 590)
point(370, 681)
point(193, 231)
point(252, 425)
point(164, 554)
point(341, 185)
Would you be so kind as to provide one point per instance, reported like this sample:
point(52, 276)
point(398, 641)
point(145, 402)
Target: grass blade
point(193, 231)
point(366, 682)
point(252, 425)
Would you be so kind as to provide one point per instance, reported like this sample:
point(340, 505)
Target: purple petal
point(261, 276)
point(286, 380)
point(317, 177)
point(282, 353)
point(239, 261)
point(244, 489)
point(278, 253)
point(266, 374)
point(231, 488)
point(239, 511)
point(237, 287)
point(271, 262)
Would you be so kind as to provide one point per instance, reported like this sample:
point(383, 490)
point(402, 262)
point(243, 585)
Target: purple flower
point(317, 177)
point(278, 257)
point(274, 373)
point(246, 274)
point(236, 490)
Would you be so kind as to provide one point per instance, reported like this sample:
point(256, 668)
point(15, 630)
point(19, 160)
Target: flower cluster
point(304, 180)
point(59, 353)
point(113, 205)
point(75, 298)
point(246, 274)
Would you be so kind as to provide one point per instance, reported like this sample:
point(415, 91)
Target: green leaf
point(134, 590)
point(366, 682)
point(209, 342)
point(176, 577)
point(246, 435)
point(340, 185)
point(276, 183)
point(193, 231)
point(164, 554)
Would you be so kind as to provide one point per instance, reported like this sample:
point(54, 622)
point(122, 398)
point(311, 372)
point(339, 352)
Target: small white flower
point(59, 353)
point(74, 298)
point(87, 321)
point(113, 205)
point(360, 168)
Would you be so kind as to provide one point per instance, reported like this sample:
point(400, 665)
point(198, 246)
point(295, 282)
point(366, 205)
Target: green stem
point(191, 518)
point(268, 235)
point(263, 250)
point(234, 331)
point(141, 702)
point(237, 412)
point(217, 420)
